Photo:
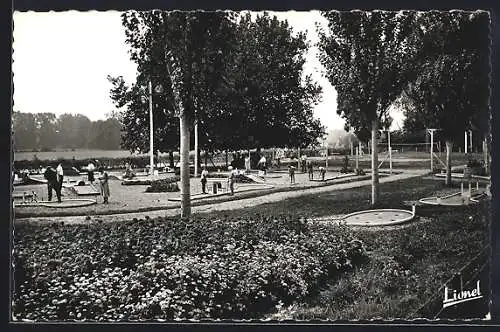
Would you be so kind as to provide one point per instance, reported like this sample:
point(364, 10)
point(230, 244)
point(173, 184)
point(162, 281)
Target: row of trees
point(246, 77)
point(46, 131)
point(436, 62)
point(238, 79)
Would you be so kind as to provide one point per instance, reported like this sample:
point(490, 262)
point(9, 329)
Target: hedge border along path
point(233, 203)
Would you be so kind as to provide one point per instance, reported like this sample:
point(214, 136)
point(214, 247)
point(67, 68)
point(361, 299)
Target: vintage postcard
point(199, 166)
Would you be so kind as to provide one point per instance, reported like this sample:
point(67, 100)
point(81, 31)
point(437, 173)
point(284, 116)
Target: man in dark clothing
point(51, 177)
point(310, 169)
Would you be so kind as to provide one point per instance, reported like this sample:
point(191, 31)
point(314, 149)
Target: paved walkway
point(224, 206)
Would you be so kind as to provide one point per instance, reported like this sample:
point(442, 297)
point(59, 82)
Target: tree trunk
point(184, 156)
point(298, 158)
point(199, 161)
point(196, 149)
point(171, 158)
point(375, 184)
point(449, 146)
point(486, 157)
point(225, 151)
point(206, 158)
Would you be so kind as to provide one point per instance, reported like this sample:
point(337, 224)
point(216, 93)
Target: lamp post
point(157, 90)
point(465, 141)
point(196, 145)
point(151, 150)
point(431, 131)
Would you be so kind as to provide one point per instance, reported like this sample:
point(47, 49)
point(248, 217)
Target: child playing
point(291, 172)
point(310, 170)
point(104, 186)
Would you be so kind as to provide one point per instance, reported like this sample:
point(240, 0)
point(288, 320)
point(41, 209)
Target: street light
point(157, 90)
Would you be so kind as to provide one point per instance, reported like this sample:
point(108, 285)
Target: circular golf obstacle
point(68, 203)
point(457, 199)
point(378, 217)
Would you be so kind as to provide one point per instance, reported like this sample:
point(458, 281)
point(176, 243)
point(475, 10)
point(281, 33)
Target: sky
point(61, 62)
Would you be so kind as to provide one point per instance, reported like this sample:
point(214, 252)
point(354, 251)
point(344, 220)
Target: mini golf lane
point(67, 203)
point(456, 199)
point(238, 189)
point(378, 217)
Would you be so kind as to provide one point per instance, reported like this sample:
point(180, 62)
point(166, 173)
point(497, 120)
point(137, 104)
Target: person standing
point(322, 172)
point(231, 179)
point(204, 175)
point(291, 172)
point(52, 183)
point(262, 164)
point(303, 163)
point(90, 172)
point(104, 179)
point(60, 176)
point(310, 170)
point(247, 163)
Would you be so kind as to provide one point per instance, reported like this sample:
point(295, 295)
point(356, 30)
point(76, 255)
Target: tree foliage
point(272, 96)
point(246, 87)
point(367, 56)
point(46, 131)
point(451, 91)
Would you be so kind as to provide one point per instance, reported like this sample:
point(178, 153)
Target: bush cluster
point(170, 269)
point(164, 185)
point(239, 178)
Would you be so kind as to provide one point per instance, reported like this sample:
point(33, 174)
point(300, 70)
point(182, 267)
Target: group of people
point(103, 179)
point(55, 179)
point(310, 170)
point(231, 179)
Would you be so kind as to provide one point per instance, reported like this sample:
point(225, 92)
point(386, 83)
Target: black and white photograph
point(212, 166)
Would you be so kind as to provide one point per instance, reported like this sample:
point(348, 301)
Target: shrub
point(239, 178)
point(360, 172)
point(345, 165)
point(161, 186)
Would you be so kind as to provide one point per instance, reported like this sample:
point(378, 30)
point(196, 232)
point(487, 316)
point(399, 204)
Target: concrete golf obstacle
point(375, 217)
point(87, 190)
point(67, 203)
point(472, 196)
point(379, 217)
point(461, 176)
point(241, 188)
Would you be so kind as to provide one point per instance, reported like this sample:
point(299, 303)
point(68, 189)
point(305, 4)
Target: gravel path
point(224, 206)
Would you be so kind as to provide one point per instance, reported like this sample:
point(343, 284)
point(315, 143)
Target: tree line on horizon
point(46, 132)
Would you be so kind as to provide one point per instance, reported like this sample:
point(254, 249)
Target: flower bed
point(150, 182)
point(238, 178)
point(164, 186)
point(168, 269)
